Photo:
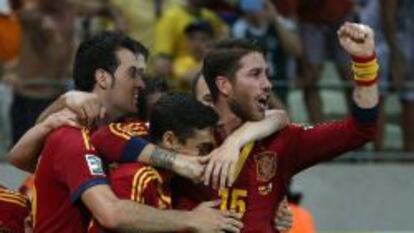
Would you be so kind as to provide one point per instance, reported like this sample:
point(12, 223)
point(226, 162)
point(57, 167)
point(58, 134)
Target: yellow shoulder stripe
point(14, 201)
point(86, 138)
point(127, 131)
point(135, 181)
point(144, 181)
point(242, 160)
point(16, 196)
point(34, 205)
point(116, 128)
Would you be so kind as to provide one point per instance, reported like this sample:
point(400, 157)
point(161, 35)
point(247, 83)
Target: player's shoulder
point(13, 198)
point(69, 139)
point(288, 131)
point(126, 170)
point(68, 132)
point(136, 172)
point(299, 126)
point(128, 129)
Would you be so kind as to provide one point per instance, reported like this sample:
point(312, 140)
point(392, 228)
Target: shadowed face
point(199, 144)
point(127, 83)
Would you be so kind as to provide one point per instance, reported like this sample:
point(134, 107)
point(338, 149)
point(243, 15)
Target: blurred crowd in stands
point(38, 39)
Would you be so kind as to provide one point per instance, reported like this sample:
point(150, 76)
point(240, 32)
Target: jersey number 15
point(233, 200)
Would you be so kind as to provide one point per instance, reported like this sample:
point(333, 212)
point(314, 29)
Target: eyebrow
point(133, 70)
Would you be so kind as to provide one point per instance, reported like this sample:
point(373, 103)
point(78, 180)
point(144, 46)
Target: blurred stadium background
point(361, 192)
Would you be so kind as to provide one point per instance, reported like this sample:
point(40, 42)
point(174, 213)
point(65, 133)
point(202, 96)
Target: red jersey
point(268, 167)
point(14, 208)
point(133, 181)
point(140, 183)
point(68, 166)
point(123, 136)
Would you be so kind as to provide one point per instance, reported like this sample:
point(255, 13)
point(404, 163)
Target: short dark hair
point(153, 85)
point(223, 59)
point(99, 52)
point(182, 115)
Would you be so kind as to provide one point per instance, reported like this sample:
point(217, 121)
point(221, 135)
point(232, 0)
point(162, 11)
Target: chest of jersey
point(259, 187)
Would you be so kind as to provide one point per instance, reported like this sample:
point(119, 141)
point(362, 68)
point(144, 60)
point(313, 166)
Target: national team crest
point(266, 165)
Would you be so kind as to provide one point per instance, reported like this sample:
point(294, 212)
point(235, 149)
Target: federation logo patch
point(95, 165)
point(266, 165)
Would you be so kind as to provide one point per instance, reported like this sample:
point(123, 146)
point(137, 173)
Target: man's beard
point(240, 111)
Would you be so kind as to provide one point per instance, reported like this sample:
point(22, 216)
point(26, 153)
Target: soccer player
point(178, 123)
point(70, 183)
point(14, 209)
point(236, 74)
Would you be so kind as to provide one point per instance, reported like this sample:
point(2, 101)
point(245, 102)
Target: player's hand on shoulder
point(206, 218)
point(221, 167)
point(87, 106)
point(64, 117)
point(357, 39)
point(283, 219)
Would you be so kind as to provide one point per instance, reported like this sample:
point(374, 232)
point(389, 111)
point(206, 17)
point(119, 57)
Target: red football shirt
point(133, 181)
point(140, 183)
point(269, 166)
point(14, 208)
point(124, 136)
point(68, 166)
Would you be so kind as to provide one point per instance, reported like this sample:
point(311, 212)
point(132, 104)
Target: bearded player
point(236, 74)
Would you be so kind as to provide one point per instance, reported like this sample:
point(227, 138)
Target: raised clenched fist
point(357, 39)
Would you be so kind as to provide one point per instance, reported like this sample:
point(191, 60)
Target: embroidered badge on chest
point(266, 165)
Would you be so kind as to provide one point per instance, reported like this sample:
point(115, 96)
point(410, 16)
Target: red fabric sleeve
point(78, 167)
point(326, 141)
point(154, 194)
point(116, 141)
point(14, 208)
point(140, 183)
point(122, 179)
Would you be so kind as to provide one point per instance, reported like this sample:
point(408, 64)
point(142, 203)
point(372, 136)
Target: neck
point(111, 113)
point(229, 122)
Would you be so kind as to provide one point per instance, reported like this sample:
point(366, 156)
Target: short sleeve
point(76, 163)
point(120, 142)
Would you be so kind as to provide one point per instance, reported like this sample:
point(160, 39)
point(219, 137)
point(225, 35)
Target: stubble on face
point(249, 95)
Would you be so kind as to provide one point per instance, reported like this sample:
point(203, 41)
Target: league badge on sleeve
point(94, 165)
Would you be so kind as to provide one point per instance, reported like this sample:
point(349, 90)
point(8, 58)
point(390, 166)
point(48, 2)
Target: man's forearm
point(157, 157)
point(25, 152)
point(149, 219)
point(366, 97)
point(56, 106)
point(126, 215)
point(249, 131)
point(366, 94)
